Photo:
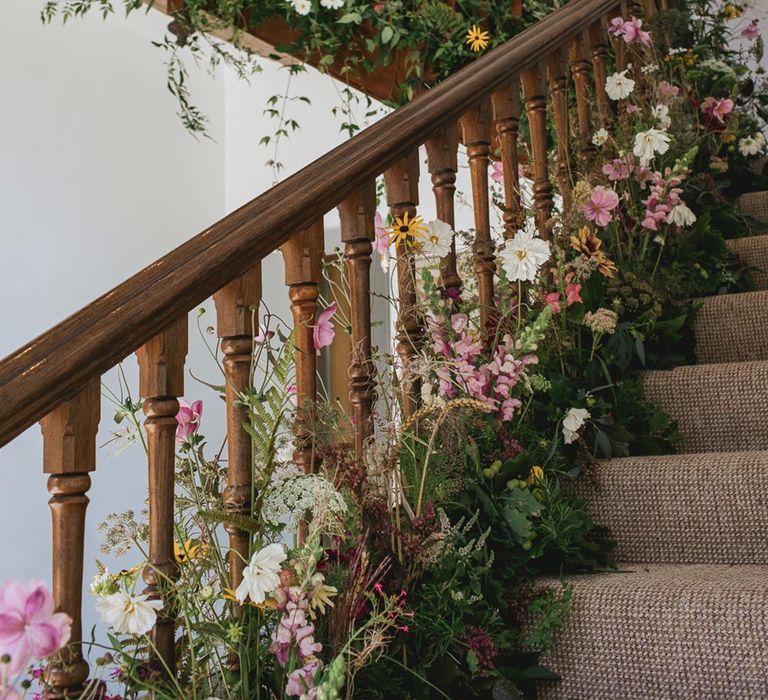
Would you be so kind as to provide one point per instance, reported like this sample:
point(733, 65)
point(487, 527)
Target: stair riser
point(719, 408)
point(755, 204)
point(753, 254)
point(732, 328)
point(688, 509)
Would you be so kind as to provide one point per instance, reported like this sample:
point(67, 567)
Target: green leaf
point(386, 34)
point(350, 18)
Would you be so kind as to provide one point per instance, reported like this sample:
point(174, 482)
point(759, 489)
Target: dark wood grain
point(54, 366)
point(506, 113)
point(557, 68)
point(582, 80)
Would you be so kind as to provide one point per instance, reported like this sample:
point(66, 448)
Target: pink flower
point(10, 694)
point(553, 299)
point(302, 681)
point(381, 242)
point(717, 108)
point(293, 393)
point(632, 109)
point(29, 627)
point(751, 32)
point(633, 33)
point(497, 174)
point(324, 332)
point(601, 203)
point(573, 294)
point(617, 169)
point(459, 322)
point(616, 27)
point(667, 91)
point(188, 419)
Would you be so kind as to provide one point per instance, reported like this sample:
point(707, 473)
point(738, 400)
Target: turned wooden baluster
point(161, 383)
point(506, 114)
point(580, 68)
point(442, 159)
point(402, 183)
point(303, 256)
point(237, 322)
point(357, 214)
point(476, 132)
point(536, 106)
point(557, 67)
point(599, 43)
point(69, 455)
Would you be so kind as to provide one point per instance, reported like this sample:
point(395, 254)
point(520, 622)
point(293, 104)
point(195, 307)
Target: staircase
point(687, 614)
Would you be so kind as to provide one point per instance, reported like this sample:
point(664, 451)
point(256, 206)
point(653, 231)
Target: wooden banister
point(55, 366)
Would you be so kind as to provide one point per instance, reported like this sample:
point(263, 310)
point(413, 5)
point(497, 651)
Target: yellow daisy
point(477, 38)
point(403, 229)
point(188, 551)
point(536, 475)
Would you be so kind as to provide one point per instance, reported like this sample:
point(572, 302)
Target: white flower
point(332, 4)
point(572, 423)
point(619, 86)
point(128, 614)
point(302, 7)
point(661, 115)
point(600, 137)
point(262, 575)
point(437, 242)
point(681, 215)
point(284, 453)
point(523, 255)
point(651, 68)
point(752, 145)
point(648, 143)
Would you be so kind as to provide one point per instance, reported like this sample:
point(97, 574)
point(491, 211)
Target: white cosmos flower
point(332, 4)
point(752, 145)
point(573, 422)
point(681, 215)
point(128, 614)
point(437, 241)
point(262, 575)
point(619, 86)
point(600, 137)
point(648, 143)
point(302, 7)
point(661, 115)
point(523, 255)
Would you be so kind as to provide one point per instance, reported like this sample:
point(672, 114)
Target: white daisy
point(523, 255)
point(648, 143)
point(752, 145)
point(619, 86)
point(128, 614)
point(262, 575)
point(332, 4)
point(600, 137)
point(437, 241)
point(302, 7)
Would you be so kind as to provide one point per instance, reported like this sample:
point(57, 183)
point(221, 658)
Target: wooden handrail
point(55, 366)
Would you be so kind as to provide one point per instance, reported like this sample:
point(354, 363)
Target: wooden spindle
point(557, 66)
point(303, 256)
point(442, 159)
point(402, 183)
point(357, 214)
point(599, 45)
point(536, 106)
point(237, 323)
point(506, 113)
point(161, 383)
point(69, 455)
point(580, 69)
point(476, 132)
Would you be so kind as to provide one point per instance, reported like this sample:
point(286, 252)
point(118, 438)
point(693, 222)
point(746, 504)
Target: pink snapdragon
point(29, 627)
point(552, 299)
point(600, 205)
point(188, 419)
point(751, 32)
point(324, 331)
point(664, 195)
point(573, 294)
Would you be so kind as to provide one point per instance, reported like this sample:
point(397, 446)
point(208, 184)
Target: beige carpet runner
point(686, 617)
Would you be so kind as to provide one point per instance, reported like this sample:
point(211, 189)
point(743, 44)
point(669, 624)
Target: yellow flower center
point(521, 254)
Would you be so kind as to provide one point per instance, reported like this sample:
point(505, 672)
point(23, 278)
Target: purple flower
point(188, 419)
point(324, 331)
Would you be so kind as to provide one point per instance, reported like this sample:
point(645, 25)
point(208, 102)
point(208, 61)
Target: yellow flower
point(536, 475)
point(188, 551)
point(321, 597)
point(589, 244)
point(403, 229)
point(732, 11)
point(728, 137)
point(477, 38)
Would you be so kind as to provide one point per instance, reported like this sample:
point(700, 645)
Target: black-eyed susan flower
point(407, 230)
point(478, 39)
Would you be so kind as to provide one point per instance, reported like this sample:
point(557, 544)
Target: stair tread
point(683, 508)
point(664, 631)
point(753, 253)
point(730, 328)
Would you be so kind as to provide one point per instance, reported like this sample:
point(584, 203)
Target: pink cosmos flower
point(497, 173)
point(324, 332)
point(600, 205)
point(29, 627)
point(573, 294)
point(381, 241)
point(617, 26)
point(188, 419)
point(718, 109)
point(617, 169)
point(632, 32)
point(751, 32)
point(552, 299)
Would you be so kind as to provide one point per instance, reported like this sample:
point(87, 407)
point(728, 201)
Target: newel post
point(69, 455)
point(357, 214)
point(237, 323)
point(161, 383)
point(303, 256)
